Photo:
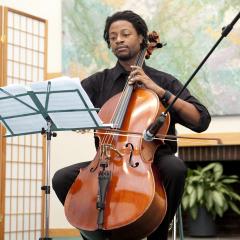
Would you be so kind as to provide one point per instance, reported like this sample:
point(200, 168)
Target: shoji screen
point(23, 55)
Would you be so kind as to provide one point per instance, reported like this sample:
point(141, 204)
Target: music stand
point(59, 104)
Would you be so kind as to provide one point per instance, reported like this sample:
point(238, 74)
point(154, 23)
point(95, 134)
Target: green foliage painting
point(190, 28)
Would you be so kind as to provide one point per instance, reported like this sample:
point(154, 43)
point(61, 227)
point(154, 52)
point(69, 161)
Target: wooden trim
point(229, 138)
point(25, 14)
point(4, 33)
point(46, 50)
point(64, 232)
point(53, 75)
point(2, 41)
point(2, 179)
point(2, 130)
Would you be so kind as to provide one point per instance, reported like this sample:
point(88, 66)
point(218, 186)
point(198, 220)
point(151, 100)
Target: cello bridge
point(106, 151)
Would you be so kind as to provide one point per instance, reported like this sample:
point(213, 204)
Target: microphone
point(152, 130)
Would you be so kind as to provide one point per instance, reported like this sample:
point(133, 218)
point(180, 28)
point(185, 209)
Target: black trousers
point(173, 173)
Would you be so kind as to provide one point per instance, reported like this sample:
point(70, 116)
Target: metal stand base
point(46, 188)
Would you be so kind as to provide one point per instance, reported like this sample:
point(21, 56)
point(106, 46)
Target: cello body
point(134, 201)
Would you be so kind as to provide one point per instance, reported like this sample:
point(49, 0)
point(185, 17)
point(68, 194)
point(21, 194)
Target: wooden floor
point(185, 238)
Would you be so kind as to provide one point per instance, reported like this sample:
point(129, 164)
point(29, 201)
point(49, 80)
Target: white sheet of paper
point(67, 101)
point(72, 113)
point(10, 107)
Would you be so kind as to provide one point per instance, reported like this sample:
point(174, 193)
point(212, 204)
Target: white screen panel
point(24, 155)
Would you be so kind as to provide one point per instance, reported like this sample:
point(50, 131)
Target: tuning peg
point(160, 45)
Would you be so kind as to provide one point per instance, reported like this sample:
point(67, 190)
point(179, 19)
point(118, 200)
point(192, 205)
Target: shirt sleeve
point(90, 85)
point(205, 117)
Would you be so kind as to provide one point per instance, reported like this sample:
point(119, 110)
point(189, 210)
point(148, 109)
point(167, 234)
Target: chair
point(177, 220)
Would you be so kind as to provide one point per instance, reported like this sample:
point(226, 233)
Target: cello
point(119, 195)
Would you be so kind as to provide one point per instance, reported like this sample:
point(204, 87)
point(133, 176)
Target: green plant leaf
point(218, 171)
point(193, 198)
point(235, 196)
point(232, 176)
point(229, 180)
point(219, 210)
point(196, 172)
point(185, 202)
point(225, 206)
point(218, 198)
point(200, 192)
point(195, 178)
point(190, 189)
point(209, 167)
point(194, 212)
point(209, 200)
point(234, 207)
point(208, 187)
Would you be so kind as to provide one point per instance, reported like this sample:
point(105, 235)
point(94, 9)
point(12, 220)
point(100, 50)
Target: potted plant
point(208, 193)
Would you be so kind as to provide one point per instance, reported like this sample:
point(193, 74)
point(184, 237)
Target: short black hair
point(138, 23)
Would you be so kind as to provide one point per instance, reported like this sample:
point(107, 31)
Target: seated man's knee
point(182, 169)
point(173, 168)
point(57, 180)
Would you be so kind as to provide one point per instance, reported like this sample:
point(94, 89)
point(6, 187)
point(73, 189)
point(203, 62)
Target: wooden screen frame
point(3, 81)
point(2, 130)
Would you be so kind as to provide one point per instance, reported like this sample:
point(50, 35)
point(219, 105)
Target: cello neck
point(126, 95)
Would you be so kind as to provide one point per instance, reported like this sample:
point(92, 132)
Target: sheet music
point(10, 106)
point(68, 108)
point(27, 124)
point(13, 109)
point(67, 101)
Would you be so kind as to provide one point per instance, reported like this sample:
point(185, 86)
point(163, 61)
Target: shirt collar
point(118, 70)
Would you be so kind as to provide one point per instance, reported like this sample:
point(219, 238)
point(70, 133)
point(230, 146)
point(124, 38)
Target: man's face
point(124, 40)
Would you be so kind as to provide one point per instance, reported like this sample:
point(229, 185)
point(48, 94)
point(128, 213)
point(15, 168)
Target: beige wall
point(69, 147)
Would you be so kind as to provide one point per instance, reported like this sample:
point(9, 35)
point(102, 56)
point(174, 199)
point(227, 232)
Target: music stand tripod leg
point(46, 188)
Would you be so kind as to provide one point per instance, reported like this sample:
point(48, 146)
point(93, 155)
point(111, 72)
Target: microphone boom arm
point(153, 128)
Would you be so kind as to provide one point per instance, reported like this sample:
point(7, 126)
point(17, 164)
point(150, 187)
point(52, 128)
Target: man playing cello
point(126, 33)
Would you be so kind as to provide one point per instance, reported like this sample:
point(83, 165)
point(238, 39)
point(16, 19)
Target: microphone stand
point(150, 133)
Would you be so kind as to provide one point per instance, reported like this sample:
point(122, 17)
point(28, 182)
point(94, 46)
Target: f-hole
point(130, 157)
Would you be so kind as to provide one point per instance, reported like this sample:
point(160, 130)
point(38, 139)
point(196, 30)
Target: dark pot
point(203, 225)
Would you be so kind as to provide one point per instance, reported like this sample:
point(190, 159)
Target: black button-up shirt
point(103, 85)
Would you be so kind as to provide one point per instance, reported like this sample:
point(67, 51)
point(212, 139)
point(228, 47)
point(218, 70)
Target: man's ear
point(140, 39)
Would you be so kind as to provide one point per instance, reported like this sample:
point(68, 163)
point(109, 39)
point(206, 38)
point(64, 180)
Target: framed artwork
point(190, 29)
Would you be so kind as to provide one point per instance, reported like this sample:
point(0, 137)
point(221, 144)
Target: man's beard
point(126, 57)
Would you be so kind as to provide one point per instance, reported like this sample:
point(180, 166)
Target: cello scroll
point(154, 42)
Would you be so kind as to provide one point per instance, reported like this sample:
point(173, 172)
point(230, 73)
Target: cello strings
point(121, 108)
point(124, 100)
point(119, 112)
